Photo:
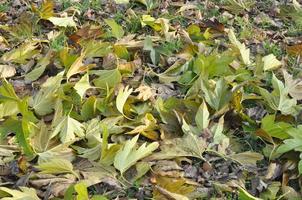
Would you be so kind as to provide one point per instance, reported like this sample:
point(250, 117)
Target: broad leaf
point(129, 155)
point(68, 128)
point(202, 116)
point(43, 102)
point(82, 85)
point(270, 62)
point(24, 194)
point(245, 52)
point(21, 54)
point(107, 78)
point(117, 30)
point(56, 166)
point(7, 71)
point(63, 21)
point(122, 97)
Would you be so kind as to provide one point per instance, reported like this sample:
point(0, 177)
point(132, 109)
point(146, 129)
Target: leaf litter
point(141, 99)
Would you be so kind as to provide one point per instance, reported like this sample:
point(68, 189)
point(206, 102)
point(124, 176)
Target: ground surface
point(150, 99)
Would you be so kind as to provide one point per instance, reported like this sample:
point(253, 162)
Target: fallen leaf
point(128, 155)
point(270, 62)
point(7, 71)
point(68, 128)
point(25, 193)
point(117, 30)
point(82, 85)
point(63, 21)
point(122, 97)
point(21, 54)
point(57, 166)
point(295, 49)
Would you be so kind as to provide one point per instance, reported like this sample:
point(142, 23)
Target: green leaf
point(89, 108)
point(68, 128)
point(94, 48)
point(8, 108)
point(39, 68)
point(117, 30)
point(122, 97)
point(43, 102)
point(218, 131)
point(244, 195)
point(23, 53)
point(82, 193)
point(24, 194)
point(129, 155)
point(275, 129)
point(245, 52)
point(82, 85)
point(194, 145)
point(63, 21)
point(7, 91)
point(15, 126)
point(271, 191)
point(148, 46)
point(121, 52)
point(247, 158)
point(202, 116)
point(77, 66)
point(279, 99)
point(300, 165)
point(107, 78)
point(57, 166)
point(218, 98)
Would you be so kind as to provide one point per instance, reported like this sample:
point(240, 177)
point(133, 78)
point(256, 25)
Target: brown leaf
point(295, 49)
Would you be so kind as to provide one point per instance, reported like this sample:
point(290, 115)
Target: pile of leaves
point(150, 99)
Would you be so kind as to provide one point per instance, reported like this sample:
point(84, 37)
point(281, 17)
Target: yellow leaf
point(78, 66)
point(62, 21)
point(7, 71)
point(22, 53)
point(148, 129)
point(270, 62)
point(245, 52)
point(171, 188)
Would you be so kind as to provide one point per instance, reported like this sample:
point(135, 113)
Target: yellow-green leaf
point(270, 62)
point(122, 97)
point(117, 30)
point(129, 155)
point(7, 71)
point(63, 21)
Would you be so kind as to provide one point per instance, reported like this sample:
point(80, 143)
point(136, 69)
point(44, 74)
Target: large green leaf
point(68, 128)
point(117, 30)
point(82, 85)
point(56, 166)
point(129, 155)
point(43, 102)
point(202, 116)
point(24, 194)
point(218, 98)
point(21, 54)
point(279, 99)
point(122, 97)
point(107, 78)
